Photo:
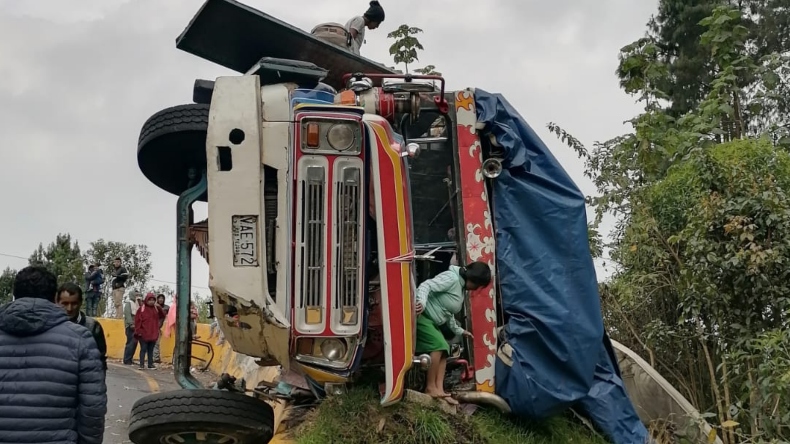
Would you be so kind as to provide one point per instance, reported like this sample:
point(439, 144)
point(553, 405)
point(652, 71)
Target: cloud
point(78, 79)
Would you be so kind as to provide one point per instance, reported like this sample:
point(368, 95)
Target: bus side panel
point(477, 238)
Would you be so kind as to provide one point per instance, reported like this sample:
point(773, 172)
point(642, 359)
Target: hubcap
point(199, 438)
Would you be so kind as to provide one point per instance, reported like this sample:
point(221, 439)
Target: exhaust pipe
point(483, 398)
point(422, 361)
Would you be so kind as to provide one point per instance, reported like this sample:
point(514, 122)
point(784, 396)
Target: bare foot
point(450, 401)
point(434, 393)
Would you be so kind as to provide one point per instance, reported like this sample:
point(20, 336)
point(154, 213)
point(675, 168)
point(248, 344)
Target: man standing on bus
point(355, 27)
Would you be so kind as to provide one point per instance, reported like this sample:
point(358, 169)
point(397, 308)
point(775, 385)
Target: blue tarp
point(549, 288)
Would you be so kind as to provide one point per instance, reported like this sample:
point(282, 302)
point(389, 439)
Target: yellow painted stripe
point(153, 386)
point(321, 376)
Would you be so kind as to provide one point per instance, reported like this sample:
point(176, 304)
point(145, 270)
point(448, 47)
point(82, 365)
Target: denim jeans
point(131, 346)
point(92, 299)
point(147, 348)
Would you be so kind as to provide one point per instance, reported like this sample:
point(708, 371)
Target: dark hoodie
point(52, 386)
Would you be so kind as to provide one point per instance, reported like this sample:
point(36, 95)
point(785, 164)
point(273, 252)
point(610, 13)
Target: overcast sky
point(78, 78)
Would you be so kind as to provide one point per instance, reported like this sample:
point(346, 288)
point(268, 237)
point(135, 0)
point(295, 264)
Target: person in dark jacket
point(70, 298)
point(94, 278)
point(52, 386)
point(131, 303)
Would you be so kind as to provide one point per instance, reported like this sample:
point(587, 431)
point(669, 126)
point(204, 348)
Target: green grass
point(495, 428)
point(357, 418)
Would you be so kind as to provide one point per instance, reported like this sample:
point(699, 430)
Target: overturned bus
point(334, 187)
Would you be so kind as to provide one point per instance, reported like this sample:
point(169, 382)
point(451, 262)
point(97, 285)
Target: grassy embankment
point(357, 418)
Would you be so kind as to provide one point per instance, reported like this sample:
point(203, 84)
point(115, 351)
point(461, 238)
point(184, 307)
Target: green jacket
point(443, 297)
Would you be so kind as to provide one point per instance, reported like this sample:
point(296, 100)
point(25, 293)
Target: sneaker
point(151, 367)
point(142, 367)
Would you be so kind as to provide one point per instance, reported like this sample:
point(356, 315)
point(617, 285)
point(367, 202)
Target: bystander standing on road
point(146, 328)
point(193, 318)
point(52, 387)
point(160, 301)
point(70, 298)
point(132, 302)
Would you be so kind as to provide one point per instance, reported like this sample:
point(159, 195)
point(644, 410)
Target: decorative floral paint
point(479, 238)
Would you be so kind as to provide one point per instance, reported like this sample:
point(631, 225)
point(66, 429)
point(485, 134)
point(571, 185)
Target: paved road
point(125, 385)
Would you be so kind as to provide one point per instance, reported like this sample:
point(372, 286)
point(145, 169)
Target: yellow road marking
point(153, 386)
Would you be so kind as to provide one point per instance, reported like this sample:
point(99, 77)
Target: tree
point(406, 45)
point(201, 302)
point(62, 258)
point(677, 30)
point(163, 289)
point(136, 259)
point(701, 243)
point(7, 285)
point(428, 70)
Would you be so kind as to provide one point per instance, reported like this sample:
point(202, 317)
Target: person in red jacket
point(146, 328)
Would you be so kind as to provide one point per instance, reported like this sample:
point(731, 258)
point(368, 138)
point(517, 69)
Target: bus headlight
point(333, 349)
point(341, 136)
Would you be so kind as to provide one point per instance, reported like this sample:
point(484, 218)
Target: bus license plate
point(245, 241)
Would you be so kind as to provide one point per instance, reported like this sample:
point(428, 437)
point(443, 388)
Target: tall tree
point(676, 31)
point(700, 197)
point(62, 258)
point(7, 285)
